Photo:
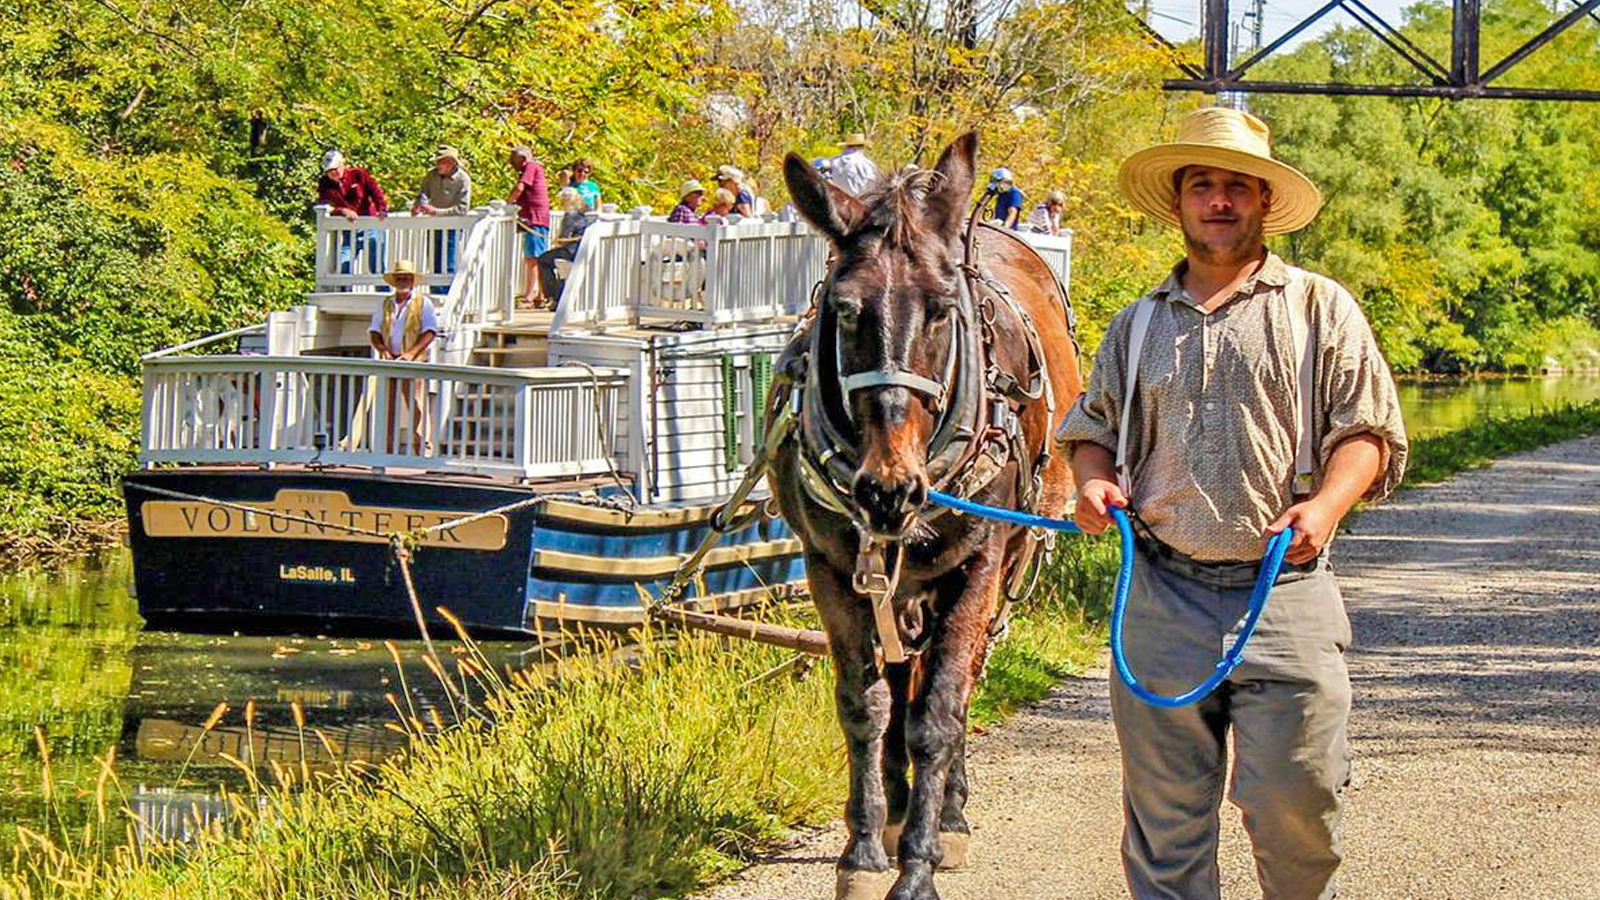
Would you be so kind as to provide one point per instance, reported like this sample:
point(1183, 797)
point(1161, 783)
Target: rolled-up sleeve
point(1095, 417)
point(1358, 391)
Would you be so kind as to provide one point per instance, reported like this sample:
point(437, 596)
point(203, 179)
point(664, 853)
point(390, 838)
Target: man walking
point(532, 198)
point(1240, 397)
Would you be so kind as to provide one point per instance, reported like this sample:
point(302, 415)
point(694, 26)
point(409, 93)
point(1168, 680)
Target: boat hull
point(216, 567)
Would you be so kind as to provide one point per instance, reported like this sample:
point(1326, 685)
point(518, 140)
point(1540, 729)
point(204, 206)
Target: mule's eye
point(848, 309)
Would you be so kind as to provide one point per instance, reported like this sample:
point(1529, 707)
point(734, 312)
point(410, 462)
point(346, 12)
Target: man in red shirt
point(532, 197)
point(350, 192)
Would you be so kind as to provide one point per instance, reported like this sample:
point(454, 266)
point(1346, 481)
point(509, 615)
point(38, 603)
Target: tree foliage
point(157, 158)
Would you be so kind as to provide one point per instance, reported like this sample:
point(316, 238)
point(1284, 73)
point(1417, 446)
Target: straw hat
point(446, 151)
point(856, 139)
point(400, 267)
point(1227, 139)
point(691, 186)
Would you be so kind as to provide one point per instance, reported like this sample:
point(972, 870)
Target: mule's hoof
point(891, 838)
point(955, 845)
point(856, 884)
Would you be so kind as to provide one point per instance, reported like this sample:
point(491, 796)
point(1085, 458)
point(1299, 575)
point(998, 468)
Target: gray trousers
point(1287, 705)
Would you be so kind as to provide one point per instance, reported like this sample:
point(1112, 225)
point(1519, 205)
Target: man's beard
point(1244, 249)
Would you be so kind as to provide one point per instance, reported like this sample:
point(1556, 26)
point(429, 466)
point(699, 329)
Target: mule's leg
point(954, 832)
point(862, 697)
point(896, 786)
point(938, 715)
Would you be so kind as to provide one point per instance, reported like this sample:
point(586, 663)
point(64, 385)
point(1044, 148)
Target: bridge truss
point(1462, 79)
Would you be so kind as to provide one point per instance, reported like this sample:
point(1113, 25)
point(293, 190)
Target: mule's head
point(892, 298)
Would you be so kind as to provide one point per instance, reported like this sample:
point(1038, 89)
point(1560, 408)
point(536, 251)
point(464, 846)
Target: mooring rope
point(1271, 566)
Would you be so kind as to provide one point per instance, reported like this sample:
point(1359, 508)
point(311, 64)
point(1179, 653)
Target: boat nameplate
point(198, 519)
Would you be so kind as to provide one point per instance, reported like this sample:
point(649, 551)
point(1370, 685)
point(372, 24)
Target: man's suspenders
point(1298, 299)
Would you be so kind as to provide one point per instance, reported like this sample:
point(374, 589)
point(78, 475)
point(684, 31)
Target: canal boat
point(277, 460)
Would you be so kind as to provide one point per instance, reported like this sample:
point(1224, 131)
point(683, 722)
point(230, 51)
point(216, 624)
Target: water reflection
point(74, 663)
point(1435, 407)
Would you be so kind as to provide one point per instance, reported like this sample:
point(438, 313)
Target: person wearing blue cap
point(1008, 200)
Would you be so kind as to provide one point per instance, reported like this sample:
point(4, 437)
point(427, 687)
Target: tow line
point(1271, 565)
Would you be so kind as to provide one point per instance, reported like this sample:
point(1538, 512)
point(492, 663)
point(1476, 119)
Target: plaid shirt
point(684, 214)
point(1212, 446)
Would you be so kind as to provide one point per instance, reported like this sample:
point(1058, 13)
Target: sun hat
point(856, 139)
point(691, 186)
point(1227, 139)
point(727, 172)
point(446, 151)
point(333, 159)
point(400, 267)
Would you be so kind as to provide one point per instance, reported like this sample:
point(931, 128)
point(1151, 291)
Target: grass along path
point(597, 780)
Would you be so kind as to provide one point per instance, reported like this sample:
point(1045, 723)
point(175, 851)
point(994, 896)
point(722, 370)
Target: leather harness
point(977, 434)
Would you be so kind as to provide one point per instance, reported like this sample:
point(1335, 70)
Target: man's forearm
point(1090, 460)
point(1352, 468)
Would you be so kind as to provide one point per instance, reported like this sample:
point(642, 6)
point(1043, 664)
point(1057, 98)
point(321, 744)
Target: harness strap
point(893, 378)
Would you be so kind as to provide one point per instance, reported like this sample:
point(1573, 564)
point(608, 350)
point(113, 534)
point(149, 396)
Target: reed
point(616, 774)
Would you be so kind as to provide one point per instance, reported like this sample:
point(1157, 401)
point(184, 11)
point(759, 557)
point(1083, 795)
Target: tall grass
point(597, 779)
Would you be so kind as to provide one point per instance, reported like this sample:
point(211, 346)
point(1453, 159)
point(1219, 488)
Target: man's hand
point(423, 209)
point(1313, 525)
point(1096, 496)
point(348, 213)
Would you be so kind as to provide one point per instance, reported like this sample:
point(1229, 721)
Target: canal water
point(75, 661)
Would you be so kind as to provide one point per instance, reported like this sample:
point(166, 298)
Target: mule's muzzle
point(889, 505)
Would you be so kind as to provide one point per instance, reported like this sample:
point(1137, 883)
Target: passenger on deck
point(582, 180)
point(575, 220)
point(1008, 200)
point(350, 191)
point(731, 179)
point(1046, 217)
point(532, 198)
point(687, 212)
point(852, 172)
point(446, 191)
point(722, 204)
point(403, 328)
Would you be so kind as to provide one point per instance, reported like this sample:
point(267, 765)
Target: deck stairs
point(523, 342)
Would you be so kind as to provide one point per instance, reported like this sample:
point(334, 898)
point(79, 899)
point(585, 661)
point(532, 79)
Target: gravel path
point(1476, 607)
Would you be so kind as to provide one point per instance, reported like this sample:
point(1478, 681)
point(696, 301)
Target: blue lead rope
point(1271, 565)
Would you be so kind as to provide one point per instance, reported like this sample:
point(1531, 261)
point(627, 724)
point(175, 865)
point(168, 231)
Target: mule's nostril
point(919, 492)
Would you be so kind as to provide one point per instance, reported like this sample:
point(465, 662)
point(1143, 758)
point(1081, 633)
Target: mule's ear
point(946, 206)
point(830, 210)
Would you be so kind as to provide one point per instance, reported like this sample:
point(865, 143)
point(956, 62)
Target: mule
point(939, 355)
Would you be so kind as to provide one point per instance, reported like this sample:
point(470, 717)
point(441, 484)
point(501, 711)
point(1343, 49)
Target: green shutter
point(730, 414)
point(760, 385)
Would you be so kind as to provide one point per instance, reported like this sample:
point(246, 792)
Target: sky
point(1178, 20)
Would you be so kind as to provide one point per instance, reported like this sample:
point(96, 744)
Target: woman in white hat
point(731, 179)
point(687, 212)
point(1240, 397)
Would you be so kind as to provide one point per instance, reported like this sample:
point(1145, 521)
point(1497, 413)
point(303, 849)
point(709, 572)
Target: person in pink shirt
point(532, 198)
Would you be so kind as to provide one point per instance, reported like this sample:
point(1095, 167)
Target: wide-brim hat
point(856, 139)
point(400, 267)
point(1226, 139)
point(446, 151)
point(692, 186)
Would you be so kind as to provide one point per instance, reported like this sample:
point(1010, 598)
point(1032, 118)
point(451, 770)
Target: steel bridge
point(1461, 77)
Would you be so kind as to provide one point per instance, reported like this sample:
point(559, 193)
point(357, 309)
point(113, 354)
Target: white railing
point(352, 254)
point(484, 286)
point(629, 271)
point(1056, 250)
point(264, 410)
